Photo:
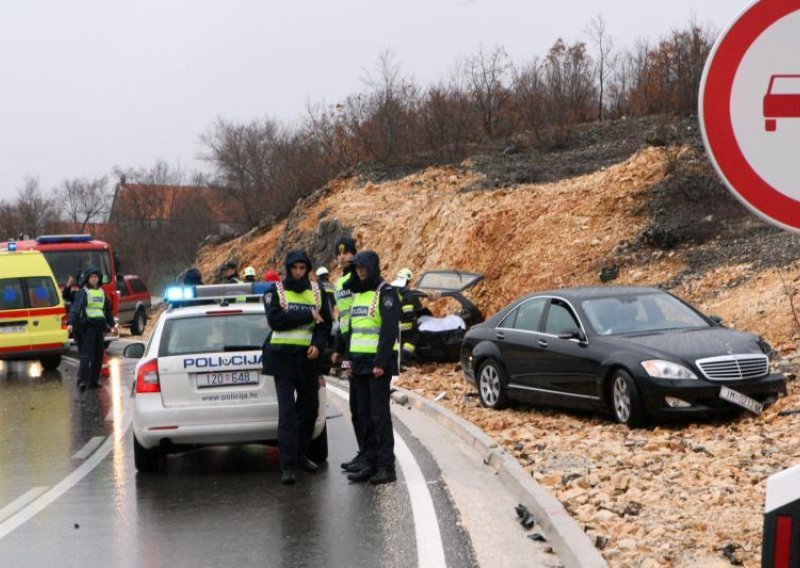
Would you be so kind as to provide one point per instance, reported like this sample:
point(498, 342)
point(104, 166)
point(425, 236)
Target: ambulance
point(33, 319)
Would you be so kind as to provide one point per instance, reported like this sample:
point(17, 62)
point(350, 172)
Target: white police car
point(199, 381)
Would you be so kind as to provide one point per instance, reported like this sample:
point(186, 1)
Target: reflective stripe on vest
point(95, 302)
point(406, 326)
point(344, 301)
point(308, 299)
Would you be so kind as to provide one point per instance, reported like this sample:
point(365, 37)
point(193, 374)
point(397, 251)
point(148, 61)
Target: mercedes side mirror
point(576, 334)
point(134, 351)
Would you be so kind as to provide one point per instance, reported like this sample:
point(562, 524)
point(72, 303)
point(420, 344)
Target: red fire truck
point(71, 255)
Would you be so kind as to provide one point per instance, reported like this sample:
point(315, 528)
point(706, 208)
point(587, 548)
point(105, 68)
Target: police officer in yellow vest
point(90, 316)
point(300, 321)
point(374, 322)
point(345, 251)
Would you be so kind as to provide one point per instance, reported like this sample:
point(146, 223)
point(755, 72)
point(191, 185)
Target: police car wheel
point(318, 447)
point(626, 401)
point(51, 362)
point(139, 323)
point(492, 385)
point(145, 460)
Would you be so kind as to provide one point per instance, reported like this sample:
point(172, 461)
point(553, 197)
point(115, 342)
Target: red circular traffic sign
point(767, 198)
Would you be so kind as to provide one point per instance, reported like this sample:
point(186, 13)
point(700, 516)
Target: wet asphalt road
point(221, 506)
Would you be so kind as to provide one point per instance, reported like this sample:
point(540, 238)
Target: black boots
point(288, 477)
point(363, 474)
point(354, 464)
point(383, 475)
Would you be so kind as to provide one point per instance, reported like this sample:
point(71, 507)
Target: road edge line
point(430, 547)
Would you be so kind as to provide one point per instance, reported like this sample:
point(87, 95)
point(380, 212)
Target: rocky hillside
point(633, 199)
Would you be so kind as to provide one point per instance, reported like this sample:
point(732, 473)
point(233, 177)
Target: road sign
point(750, 109)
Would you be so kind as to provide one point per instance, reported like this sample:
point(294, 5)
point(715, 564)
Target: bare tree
point(36, 213)
point(604, 45)
point(530, 94)
point(84, 200)
point(486, 73)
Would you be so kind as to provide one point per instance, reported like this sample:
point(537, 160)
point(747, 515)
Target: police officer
point(410, 306)
point(90, 316)
point(300, 322)
point(374, 321)
point(345, 250)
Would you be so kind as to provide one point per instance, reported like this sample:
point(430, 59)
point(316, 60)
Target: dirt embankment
point(653, 214)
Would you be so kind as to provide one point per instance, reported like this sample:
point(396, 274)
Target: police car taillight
point(147, 377)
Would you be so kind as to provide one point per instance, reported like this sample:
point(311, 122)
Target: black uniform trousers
point(90, 347)
point(295, 373)
point(354, 415)
point(375, 418)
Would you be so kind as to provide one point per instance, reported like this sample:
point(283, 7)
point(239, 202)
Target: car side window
point(560, 320)
point(529, 314)
point(122, 288)
point(138, 286)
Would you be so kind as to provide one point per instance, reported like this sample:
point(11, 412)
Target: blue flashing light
point(52, 239)
point(12, 246)
point(179, 293)
point(262, 288)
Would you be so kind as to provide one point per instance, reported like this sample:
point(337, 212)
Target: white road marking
point(90, 447)
point(71, 361)
point(49, 496)
point(20, 502)
point(430, 551)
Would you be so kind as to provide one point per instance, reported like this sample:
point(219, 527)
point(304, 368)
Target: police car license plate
point(12, 329)
point(740, 399)
point(226, 378)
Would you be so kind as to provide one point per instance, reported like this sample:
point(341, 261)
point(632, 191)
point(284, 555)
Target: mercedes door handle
point(542, 343)
point(500, 335)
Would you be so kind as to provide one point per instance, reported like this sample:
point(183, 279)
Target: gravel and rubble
point(680, 494)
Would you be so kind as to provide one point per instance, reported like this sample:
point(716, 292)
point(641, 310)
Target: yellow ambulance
point(33, 320)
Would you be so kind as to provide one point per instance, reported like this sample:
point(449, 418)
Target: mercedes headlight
point(667, 370)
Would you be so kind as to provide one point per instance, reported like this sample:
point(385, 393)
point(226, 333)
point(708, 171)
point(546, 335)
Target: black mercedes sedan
point(639, 353)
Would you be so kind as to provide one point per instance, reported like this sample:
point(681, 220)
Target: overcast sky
point(89, 84)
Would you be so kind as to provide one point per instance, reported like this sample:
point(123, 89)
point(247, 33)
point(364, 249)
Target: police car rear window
point(235, 332)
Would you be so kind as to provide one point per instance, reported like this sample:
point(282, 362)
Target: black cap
point(346, 244)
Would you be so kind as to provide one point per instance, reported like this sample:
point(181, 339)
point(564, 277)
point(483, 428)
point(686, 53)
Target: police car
point(198, 381)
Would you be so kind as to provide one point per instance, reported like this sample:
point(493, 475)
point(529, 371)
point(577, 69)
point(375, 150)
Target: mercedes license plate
point(740, 399)
point(227, 378)
point(12, 329)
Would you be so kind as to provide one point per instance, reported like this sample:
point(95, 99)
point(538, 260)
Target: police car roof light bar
point(223, 293)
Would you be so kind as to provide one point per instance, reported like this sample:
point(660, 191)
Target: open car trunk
point(444, 345)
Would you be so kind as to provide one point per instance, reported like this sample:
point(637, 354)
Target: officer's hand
point(335, 358)
point(316, 316)
point(377, 371)
point(313, 352)
point(69, 330)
